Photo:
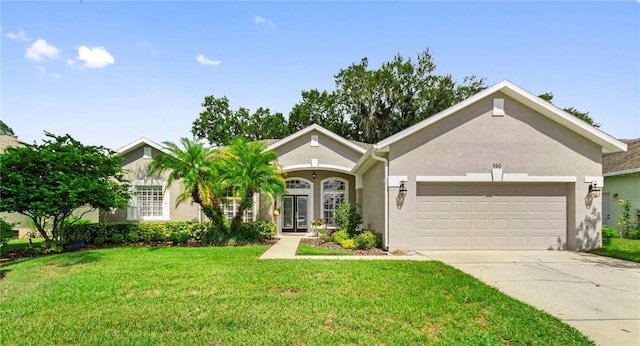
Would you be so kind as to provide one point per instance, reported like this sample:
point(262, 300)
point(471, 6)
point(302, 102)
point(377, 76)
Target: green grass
point(311, 250)
point(626, 249)
point(198, 296)
point(23, 243)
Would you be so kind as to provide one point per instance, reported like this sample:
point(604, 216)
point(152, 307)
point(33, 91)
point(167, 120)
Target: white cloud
point(19, 36)
point(263, 20)
point(40, 50)
point(96, 57)
point(204, 61)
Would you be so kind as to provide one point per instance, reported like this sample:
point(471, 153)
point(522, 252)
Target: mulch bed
point(334, 246)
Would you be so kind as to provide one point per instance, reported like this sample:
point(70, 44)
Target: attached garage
point(491, 216)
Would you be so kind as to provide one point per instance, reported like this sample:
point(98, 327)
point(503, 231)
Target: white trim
point(526, 178)
point(599, 180)
point(498, 107)
point(322, 130)
point(608, 143)
point(304, 166)
point(394, 180)
point(135, 144)
point(469, 177)
point(487, 177)
point(622, 172)
point(166, 201)
point(335, 167)
point(496, 174)
point(308, 192)
point(296, 167)
point(314, 163)
point(345, 191)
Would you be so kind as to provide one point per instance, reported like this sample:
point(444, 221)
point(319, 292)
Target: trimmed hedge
point(175, 231)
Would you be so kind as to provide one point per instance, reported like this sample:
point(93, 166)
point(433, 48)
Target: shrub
point(132, 237)
point(608, 233)
point(366, 240)
point(117, 238)
point(146, 237)
point(180, 237)
point(326, 234)
point(348, 244)
point(347, 217)
point(635, 234)
point(6, 233)
point(99, 241)
point(340, 236)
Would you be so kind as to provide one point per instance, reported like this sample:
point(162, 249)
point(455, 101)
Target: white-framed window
point(149, 201)
point(334, 191)
point(231, 209)
point(297, 184)
point(146, 153)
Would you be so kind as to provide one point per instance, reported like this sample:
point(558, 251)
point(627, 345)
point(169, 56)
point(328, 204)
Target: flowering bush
point(317, 222)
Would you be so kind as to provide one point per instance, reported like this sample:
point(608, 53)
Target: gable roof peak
point(137, 143)
point(547, 109)
point(318, 128)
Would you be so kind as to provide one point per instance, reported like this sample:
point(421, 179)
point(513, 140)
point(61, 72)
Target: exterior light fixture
point(402, 190)
point(313, 175)
point(594, 189)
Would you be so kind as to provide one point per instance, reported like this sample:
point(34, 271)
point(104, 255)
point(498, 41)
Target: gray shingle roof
point(624, 161)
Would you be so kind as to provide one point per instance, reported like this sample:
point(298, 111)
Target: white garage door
point(491, 217)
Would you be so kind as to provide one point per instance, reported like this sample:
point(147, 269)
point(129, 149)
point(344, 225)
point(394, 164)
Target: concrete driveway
point(597, 295)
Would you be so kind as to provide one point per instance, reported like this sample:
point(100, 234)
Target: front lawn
point(23, 243)
point(209, 295)
point(626, 249)
point(312, 250)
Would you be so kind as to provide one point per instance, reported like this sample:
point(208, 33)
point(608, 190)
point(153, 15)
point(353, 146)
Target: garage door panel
point(491, 216)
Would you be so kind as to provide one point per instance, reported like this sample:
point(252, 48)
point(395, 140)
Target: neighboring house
point(23, 222)
point(503, 169)
point(622, 181)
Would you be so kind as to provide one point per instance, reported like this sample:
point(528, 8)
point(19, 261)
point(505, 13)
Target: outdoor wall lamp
point(403, 188)
point(313, 175)
point(594, 189)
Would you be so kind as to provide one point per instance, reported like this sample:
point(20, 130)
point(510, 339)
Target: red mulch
point(334, 246)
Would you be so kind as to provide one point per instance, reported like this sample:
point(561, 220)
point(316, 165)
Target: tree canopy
point(581, 115)
point(367, 104)
point(5, 129)
point(196, 167)
point(48, 182)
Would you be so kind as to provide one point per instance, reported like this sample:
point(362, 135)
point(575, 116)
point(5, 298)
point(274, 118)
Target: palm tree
point(197, 167)
point(249, 168)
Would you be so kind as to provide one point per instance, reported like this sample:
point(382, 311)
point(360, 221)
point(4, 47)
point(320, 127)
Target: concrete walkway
point(286, 248)
point(597, 295)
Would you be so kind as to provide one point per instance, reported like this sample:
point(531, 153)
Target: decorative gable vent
point(498, 107)
point(147, 153)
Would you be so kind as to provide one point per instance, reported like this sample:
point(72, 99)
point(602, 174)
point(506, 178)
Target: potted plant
point(276, 210)
point(315, 225)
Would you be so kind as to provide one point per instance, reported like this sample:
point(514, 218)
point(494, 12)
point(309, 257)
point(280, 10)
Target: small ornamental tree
point(48, 182)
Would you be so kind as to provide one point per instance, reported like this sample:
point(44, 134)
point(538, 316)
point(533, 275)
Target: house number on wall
point(497, 165)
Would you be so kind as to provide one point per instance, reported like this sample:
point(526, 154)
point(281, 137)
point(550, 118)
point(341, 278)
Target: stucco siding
point(328, 152)
point(622, 187)
point(138, 166)
point(372, 206)
point(522, 141)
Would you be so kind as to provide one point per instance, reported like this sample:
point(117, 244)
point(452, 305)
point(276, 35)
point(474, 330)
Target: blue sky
point(110, 72)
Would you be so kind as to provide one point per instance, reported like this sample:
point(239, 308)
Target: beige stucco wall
point(522, 141)
point(137, 167)
point(373, 198)
point(621, 187)
point(329, 152)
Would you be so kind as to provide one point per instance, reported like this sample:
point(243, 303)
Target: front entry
point(295, 213)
